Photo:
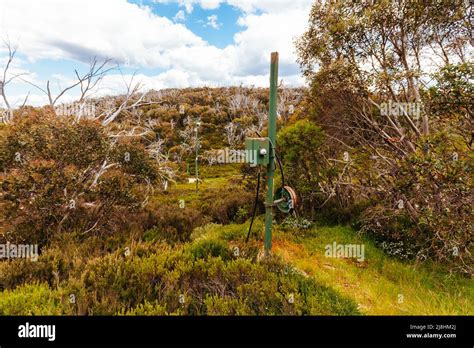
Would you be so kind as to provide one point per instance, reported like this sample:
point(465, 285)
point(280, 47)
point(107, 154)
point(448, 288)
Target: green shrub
point(59, 175)
point(428, 212)
point(206, 248)
point(34, 299)
point(226, 205)
point(148, 308)
point(174, 224)
point(298, 223)
point(190, 281)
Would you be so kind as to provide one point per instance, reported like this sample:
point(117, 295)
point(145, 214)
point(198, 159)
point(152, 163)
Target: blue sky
point(182, 43)
point(196, 21)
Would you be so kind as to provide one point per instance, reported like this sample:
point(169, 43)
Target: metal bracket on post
point(258, 150)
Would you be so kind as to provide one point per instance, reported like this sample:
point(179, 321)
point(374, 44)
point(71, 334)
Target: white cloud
point(248, 6)
point(210, 4)
point(180, 16)
point(270, 6)
point(212, 22)
point(189, 4)
point(133, 34)
point(33, 99)
point(81, 29)
point(266, 33)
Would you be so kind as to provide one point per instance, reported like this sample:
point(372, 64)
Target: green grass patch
point(382, 285)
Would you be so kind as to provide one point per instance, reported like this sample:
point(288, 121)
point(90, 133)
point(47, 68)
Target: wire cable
point(258, 186)
point(254, 207)
point(281, 170)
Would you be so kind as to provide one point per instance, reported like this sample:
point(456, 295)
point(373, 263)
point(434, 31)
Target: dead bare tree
point(85, 82)
point(132, 91)
point(188, 136)
point(211, 156)
point(234, 134)
point(240, 102)
point(156, 151)
point(8, 78)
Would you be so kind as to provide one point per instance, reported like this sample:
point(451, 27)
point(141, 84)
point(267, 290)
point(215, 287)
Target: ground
point(224, 275)
point(381, 285)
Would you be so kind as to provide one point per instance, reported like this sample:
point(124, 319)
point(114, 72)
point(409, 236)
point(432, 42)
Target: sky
point(166, 44)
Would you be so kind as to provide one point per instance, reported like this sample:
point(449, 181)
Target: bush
point(206, 248)
point(295, 223)
point(17, 272)
point(428, 212)
point(174, 224)
point(226, 205)
point(184, 281)
point(34, 299)
point(58, 175)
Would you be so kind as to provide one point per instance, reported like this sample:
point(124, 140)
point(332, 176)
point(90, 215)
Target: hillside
point(216, 272)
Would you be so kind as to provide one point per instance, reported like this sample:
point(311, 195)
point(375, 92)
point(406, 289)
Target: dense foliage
point(123, 232)
point(398, 135)
point(58, 175)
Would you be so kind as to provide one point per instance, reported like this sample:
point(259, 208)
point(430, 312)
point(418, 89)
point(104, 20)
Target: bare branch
point(131, 91)
point(4, 81)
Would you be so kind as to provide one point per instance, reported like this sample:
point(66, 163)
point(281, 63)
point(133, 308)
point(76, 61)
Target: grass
point(152, 278)
point(209, 180)
point(381, 285)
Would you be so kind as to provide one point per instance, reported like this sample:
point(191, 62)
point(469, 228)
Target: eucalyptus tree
point(385, 51)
